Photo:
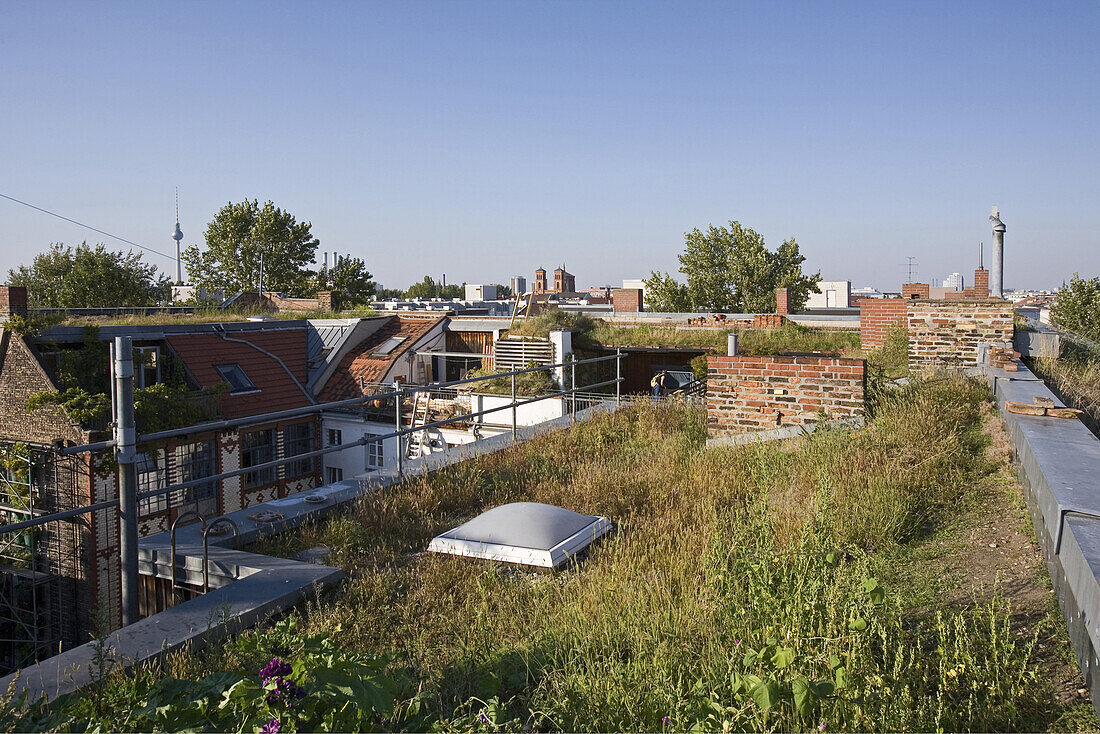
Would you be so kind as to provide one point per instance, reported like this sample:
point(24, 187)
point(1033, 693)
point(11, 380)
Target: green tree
point(664, 295)
point(503, 291)
point(64, 277)
point(236, 239)
point(348, 280)
point(731, 269)
point(428, 288)
point(1078, 307)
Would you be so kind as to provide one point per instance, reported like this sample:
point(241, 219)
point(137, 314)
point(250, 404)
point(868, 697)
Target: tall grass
point(736, 593)
point(1076, 378)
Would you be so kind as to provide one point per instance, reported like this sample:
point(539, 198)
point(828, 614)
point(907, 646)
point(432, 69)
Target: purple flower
point(284, 689)
point(275, 669)
point(271, 727)
point(665, 720)
point(821, 726)
point(483, 718)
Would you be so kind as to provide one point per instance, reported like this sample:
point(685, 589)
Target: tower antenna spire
point(178, 236)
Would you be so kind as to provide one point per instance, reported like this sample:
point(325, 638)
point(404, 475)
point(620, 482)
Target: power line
point(88, 226)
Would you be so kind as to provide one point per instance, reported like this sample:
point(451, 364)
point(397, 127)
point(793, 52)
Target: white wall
point(353, 460)
point(834, 294)
point(526, 415)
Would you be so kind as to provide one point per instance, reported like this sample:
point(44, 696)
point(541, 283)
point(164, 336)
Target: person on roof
point(659, 385)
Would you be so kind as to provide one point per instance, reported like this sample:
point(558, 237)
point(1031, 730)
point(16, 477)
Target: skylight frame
point(552, 558)
point(238, 380)
point(386, 348)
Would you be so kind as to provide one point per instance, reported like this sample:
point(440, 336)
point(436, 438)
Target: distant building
point(481, 292)
point(518, 285)
point(833, 294)
point(954, 282)
point(540, 281)
point(564, 282)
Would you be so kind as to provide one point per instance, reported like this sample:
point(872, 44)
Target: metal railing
point(126, 440)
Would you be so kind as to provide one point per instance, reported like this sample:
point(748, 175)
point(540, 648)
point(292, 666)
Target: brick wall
point(626, 300)
point(914, 290)
point(13, 300)
point(324, 300)
point(876, 316)
point(747, 393)
point(782, 302)
point(947, 333)
point(981, 283)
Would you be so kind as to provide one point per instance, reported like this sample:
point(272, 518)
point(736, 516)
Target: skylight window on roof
point(528, 533)
point(235, 376)
point(389, 345)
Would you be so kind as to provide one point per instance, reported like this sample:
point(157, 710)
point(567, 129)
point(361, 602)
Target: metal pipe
point(618, 376)
point(126, 455)
point(400, 442)
point(172, 542)
point(513, 409)
point(206, 547)
point(731, 344)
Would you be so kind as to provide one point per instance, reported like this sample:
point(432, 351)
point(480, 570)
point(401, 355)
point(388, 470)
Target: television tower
point(177, 236)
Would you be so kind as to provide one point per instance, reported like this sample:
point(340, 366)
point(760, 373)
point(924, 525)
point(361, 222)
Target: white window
point(298, 439)
point(374, 454)
point(194, 461)
point(334, 474)
point(151, 474)
point(335, 437)
point(146, 366)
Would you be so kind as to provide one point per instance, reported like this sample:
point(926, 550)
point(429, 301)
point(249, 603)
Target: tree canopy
point(348, 279)
point(730, 269)
point(1078, 307)
point(89, 277)
point(428, 288)
point(235, 240)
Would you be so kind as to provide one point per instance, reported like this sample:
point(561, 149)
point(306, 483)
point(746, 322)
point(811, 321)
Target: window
point(335, 437)
point(151, 474)
point(258, 447)
point(235, 376)
point(374, 454)
point(334, 474)
point(146, 366)
point(389, 345)
point(195, 461)
point(298, 439)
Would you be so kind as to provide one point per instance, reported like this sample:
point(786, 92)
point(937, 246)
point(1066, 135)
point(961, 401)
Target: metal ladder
point(419, 417)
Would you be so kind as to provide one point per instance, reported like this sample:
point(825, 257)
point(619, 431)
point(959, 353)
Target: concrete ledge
point(1058, 462)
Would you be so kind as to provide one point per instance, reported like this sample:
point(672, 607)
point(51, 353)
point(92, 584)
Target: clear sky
point(483, 140)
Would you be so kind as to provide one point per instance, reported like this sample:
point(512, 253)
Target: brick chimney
point(914, 290)
point(13, 301)
point(324, 300)
point(781, 305)
point(981, 283)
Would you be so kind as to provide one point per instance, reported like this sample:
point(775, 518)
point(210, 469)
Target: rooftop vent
point(528, 533)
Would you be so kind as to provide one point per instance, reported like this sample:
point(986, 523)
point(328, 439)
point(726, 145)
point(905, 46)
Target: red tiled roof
point(277, 391)
point(358, 364)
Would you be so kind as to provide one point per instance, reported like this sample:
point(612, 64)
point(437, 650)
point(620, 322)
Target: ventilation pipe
point(731, 344)
point(997, 275)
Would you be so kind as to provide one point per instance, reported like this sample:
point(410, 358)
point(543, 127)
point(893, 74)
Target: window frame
point(295, 445)
point(267, 450)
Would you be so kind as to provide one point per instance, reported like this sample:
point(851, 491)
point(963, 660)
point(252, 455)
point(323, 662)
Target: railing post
point(618, 376)
point(573, 387)
point(126, 455)
point(397, 424)
point(513, 406)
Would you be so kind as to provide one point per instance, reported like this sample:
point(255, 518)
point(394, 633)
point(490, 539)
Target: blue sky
point(483, 140)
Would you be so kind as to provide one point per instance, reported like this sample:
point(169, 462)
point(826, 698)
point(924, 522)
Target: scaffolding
point(39, 566)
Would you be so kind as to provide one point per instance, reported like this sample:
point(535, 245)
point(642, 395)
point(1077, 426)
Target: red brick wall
point(767, 321)
point(627, 300)
point(947, 333)
point(876, 316)
point(13, 300)
point(782, 304)
point(914, 290)
point(748, 393)
point(981, 283)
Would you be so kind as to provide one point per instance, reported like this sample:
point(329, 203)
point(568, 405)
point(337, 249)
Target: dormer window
point(237, 379)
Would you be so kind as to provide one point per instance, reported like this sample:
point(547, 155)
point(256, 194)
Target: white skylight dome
point(529, 533)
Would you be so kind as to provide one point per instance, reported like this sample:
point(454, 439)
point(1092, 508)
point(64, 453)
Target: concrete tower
point(996, 277)
point(178, 237)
